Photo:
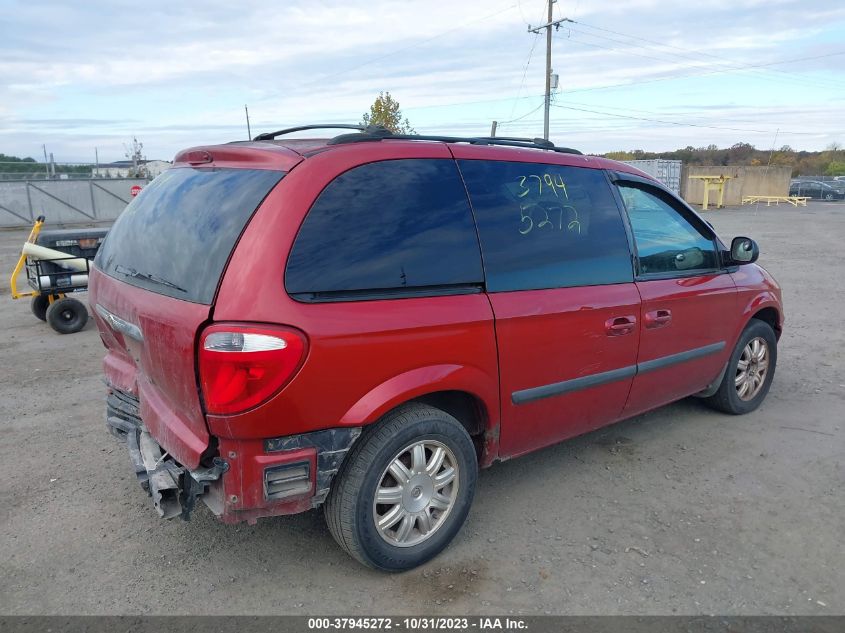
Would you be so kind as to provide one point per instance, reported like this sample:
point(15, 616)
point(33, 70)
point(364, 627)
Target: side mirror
point(744, 250)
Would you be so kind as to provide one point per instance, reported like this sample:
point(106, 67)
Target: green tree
point(386, 113)
point(830, 161)
point(14, 168)
point(835, 168)
point(621, 155)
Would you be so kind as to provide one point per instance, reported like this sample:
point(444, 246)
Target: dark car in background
point(817, 189)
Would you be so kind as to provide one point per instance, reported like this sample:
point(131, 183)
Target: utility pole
point(493, 129)
point(96, 163)
point(548, 26)
point(248, 131)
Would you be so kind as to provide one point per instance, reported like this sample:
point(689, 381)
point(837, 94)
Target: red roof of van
point(284, 154)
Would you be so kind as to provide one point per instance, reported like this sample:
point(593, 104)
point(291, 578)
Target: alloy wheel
point(416, 492)
point(752, 368)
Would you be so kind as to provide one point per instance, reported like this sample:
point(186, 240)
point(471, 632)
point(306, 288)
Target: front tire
point(750, 371)
point(67, 315)
point(405, 490)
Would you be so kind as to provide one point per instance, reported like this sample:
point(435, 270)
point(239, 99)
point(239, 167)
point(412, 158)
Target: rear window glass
point(390, 228)
point(546, 226)
point(176, 236)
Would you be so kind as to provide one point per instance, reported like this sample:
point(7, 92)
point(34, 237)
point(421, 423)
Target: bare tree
point(135, 153)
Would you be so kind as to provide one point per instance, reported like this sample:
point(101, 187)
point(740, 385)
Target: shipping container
point(666, 171)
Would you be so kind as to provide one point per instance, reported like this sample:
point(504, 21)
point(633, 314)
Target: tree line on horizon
point(385, 111)
point(828, 162)
point(13, 167)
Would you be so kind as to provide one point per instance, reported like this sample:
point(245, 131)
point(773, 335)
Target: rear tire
point(67, 315)
point(39, 305)
point(418, 515)
point(750, 371)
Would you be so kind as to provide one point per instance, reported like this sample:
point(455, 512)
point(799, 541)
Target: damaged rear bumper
point(174, 489)
point(257, 478)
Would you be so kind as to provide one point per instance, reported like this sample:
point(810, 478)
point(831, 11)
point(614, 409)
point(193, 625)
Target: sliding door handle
point(619, 326)
point(657, 318)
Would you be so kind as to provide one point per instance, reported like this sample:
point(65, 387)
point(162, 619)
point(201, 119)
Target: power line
point(678, 123)
point(522, 15)
point(527, 114)
point(624, 85)
point(710, 72)
point(524, 73)
point(688, 66)
point(686, 50)
point(611, 48)
point(687, 114)
point(761, 74)
point(410, 46)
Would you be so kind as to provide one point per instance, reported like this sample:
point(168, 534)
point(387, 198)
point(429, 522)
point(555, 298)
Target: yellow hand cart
point(52, 279)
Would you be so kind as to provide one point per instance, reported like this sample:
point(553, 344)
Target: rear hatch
point(153, 287)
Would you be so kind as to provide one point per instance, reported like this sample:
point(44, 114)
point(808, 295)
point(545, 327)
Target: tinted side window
point(666, 241)
point(546, 226)
point(399, 226)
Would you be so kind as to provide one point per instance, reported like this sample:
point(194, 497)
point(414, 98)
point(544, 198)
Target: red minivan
point(361, 322)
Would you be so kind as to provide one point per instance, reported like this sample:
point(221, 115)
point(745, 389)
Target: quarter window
point(399, 227)
point(666, 241)
point(546, 226)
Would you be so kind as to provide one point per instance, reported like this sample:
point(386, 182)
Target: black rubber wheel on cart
point(39, 305)
point(67, 315)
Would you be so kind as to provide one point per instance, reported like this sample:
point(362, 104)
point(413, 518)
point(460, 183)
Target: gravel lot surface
point(682, 510)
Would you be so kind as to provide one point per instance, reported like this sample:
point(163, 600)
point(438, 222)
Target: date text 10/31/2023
point(552, 211)
point(418, 623)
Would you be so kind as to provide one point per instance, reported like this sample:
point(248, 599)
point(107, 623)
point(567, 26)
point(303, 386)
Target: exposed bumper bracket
point(174, 489)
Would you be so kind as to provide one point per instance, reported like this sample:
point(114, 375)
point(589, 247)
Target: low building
point(741, 181)
point(127, 169)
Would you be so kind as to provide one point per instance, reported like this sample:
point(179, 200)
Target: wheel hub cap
point(418, 493)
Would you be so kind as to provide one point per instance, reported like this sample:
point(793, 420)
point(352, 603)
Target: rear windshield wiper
point(131, 272)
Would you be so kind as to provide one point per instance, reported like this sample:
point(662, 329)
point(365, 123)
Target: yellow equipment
point(716, 183)
point(13, 282)
point(53, 274)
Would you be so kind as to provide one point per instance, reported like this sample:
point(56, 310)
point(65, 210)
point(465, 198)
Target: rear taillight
point(241, 366)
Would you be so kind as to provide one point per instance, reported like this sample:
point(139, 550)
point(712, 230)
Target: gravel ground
point(682, 510)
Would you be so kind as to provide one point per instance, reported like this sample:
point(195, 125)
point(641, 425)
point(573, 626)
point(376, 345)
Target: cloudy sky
point(650, 74)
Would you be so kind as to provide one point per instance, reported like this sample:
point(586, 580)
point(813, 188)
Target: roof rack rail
point(373, 130)
point(522, 139)
point(368, 133)
point(381, 135)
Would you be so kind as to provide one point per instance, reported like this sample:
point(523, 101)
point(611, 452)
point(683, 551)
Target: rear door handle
point(657, 318)
point(619, 326)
